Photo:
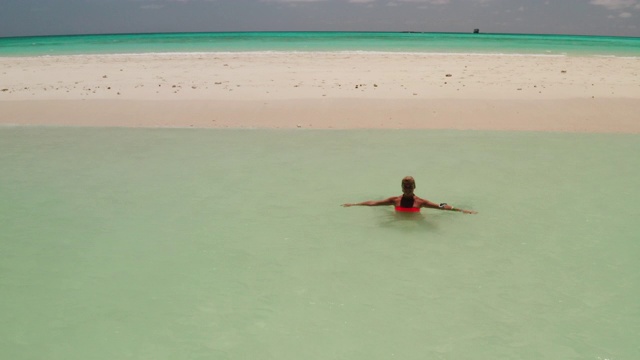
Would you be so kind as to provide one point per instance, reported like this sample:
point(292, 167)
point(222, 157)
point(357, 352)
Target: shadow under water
point(407, 222)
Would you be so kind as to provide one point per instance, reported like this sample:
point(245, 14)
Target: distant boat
point(476, 31)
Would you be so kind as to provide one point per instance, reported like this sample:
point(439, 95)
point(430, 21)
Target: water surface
point(231, 244)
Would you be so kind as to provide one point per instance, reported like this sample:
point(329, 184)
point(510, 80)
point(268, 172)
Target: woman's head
point(408, 184)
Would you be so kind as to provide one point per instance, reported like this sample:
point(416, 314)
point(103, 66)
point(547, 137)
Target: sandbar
point(324, 90)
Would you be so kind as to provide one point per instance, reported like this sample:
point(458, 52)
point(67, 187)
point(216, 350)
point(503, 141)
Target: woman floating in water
point(409, 202)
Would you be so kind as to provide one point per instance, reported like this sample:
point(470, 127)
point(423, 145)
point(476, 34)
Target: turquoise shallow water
point(322, 41)
point(231, 244)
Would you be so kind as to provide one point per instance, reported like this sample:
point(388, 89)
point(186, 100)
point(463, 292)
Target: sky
point(62, 17)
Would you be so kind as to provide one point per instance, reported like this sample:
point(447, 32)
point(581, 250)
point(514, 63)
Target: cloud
point(395, 2)
point(159, 4)
point(616, 4)
point(291, 1)
point(433, 2)
point(625, 15)
point(151, 6)
point(156, 4)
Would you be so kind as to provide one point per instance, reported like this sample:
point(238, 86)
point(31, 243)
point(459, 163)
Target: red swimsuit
point(407, 210)
point(406, 205)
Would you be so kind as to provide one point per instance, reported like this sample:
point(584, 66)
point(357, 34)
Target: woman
point(409, 202)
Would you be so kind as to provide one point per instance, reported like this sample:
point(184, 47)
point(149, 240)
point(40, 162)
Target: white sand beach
point(330, 90)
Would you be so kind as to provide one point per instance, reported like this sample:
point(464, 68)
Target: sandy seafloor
point(227, 244)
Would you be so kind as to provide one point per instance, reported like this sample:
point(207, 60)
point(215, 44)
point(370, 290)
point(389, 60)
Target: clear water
point(231, 244)
point(322, 41)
